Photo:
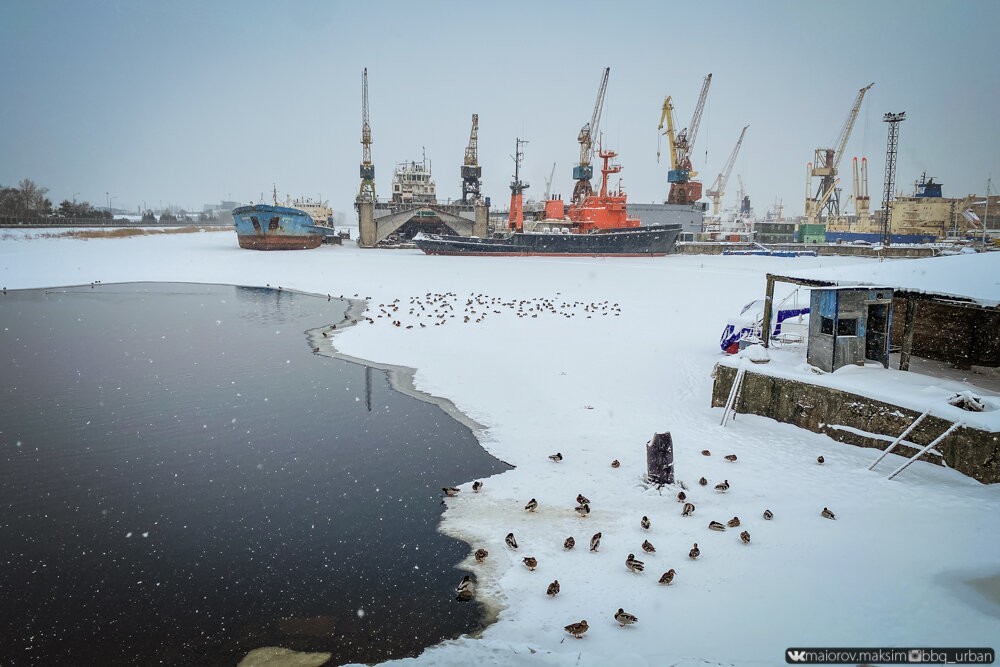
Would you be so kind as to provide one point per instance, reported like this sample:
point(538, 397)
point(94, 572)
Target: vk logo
point(796, 656)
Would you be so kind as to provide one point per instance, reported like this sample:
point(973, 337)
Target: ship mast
point(515, 219)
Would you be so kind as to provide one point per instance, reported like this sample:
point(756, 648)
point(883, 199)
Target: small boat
point(597, 225)
point(791, 323)
point(271, 227)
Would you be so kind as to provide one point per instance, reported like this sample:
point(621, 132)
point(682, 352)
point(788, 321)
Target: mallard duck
point(481, 555)
point(681, 497)
point(583, 510)
point(688, 509)
point(511, 542)
point(715, 525)
point(615, 463)
point(648, 547)
point(634, 565)
point(695, 552)
point(569, 543)
point(745, 536)
point(768, 515)
point(820, 460)
point(477, 486)
point(723, 486)
point(644, 522)
point(582, 499)
point(577, 629)
point(827, 514)
point(466, 589)
point(553, 589)
point(557, 457)
point(532, 505)
point(624, 618)
point(730, 457)
point(703, 481)
point(450, 491)
point(705, 452)
point(734, 522)
point(595, 542)
point(530, 562)
point(668, 577)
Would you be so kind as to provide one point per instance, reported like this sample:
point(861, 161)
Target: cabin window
point(255, 222)
point(847, 327)
point(826, 326)
point(272, 224)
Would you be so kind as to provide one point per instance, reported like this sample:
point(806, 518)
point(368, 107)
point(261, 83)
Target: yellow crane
point(683, 190)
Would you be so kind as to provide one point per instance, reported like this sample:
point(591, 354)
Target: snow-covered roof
point(974, 277)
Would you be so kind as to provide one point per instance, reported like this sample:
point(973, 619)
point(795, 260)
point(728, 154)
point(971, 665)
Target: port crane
point(471, 171)
point(862, 203)
point(814, 205)
point(584, 171)
point(367, 191)
point(683, 190)
point(548, 183)
point(718, 188)
point(826, 161)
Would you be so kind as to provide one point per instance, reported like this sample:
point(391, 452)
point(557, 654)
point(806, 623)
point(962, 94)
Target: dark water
point(182, 480)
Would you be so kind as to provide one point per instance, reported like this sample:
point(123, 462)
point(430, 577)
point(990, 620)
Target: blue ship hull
point(266, 227)
point(874, 238)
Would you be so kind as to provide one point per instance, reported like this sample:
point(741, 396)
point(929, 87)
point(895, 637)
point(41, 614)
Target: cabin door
point(877, 333)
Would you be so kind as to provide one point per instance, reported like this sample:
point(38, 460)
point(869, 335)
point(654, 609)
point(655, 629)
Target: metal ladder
point(734, 393)
point(923, 450)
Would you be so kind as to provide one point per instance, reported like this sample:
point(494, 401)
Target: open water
point(182, 480)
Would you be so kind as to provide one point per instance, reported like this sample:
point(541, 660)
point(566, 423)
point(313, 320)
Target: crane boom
point(367, 191)
point(845, 132)
point(471, 171)
point(827, 160)
point(718, 188)
point(583, 172)
point(692, 132)
point(668, 115)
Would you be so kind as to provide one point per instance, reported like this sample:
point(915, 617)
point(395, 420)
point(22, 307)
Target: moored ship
point(269, 227)
point(596, 225)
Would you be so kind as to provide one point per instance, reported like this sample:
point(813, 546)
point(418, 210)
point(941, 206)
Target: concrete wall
point(830, 249)
point(970, 451)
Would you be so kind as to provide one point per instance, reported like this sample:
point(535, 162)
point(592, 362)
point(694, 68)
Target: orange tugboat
point(595, 224)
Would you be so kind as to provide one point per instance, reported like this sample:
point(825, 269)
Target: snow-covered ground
point(604, 353)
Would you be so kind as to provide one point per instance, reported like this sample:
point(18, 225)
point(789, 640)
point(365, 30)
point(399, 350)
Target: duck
point(583, 510)
point(820, 460)
point(695, 552)
point(644, 523)
point(595, 542)
point(481, 555)
point(532, 505)
point(730, 457)
point(477, 486)
point(688, 509)
point(768, 515)
point(569, 543)
point(624, 618)
point(466, 589)
point(723, 486)
point(648, 547)
point(705, 452)
point(734, 522)
point(703, 481)
point(715, 525)
point(615, 463)
point(827, 514)
point(511, 542)
point(582, 499)
point(668, 577)
point(681, 497)
point(634, 565)
point(530, 562)
point(450, 491)
point(745, 536)
point(553, 589)
point(577, 629)
point(557, 457)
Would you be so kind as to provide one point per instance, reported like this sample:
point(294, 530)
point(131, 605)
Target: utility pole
point(986, 213)
point(894, 119)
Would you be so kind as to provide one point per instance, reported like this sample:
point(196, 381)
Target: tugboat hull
point(652, 241)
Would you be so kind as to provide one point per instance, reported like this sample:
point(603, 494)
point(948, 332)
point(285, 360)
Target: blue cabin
point(848, 325)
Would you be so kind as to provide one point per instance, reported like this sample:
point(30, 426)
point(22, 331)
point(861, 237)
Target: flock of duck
point(466, 588)
point(436, 309)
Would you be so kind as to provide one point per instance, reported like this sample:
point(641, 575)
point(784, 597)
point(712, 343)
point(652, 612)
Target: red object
point(603, 210)
point(733, 348)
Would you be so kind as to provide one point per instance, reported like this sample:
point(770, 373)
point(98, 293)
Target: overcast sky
point(190, 102)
